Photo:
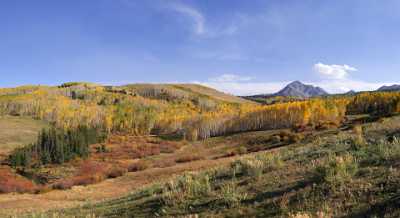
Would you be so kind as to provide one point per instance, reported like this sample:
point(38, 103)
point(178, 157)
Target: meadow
point(186, 151)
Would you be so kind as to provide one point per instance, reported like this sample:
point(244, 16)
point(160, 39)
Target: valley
point(144, 150)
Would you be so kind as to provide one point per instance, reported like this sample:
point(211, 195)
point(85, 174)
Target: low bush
point(169, 147)
point(186, 188)
point(90, 172)
point(188, 158)
point(146, 150)
point(11, 182)
point(163, 163)
point(138, 166)
point(115, 172)
point(257, 165)
point(230, 195)
point(336, 171)
point(358, 140)
point(379, 153)
point(248, 167)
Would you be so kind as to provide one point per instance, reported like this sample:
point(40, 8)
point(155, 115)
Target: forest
point(83, 114)
point(162, 110)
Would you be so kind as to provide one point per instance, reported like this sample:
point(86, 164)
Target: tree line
point(56, 146)
point(68, 107)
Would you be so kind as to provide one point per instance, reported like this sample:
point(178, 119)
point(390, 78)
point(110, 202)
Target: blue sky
point(240, 47)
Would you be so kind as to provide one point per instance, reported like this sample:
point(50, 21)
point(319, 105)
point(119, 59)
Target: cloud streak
point(195, 15)
point(333, 71)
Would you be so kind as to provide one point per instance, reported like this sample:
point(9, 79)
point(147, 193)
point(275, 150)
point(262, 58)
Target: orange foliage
point(10, 182)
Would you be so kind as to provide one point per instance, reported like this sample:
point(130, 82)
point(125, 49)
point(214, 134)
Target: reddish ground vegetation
point(131, 147)
point(188, 158)
point(11, 182)
point(163, 163)
point(91, 172)
point(138, 166)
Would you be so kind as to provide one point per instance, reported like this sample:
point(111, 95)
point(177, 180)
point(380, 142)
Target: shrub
point(255, 166)
point(379, 153)
point(169, 147)
point(138, 166)
point(188, 158)
point(63, 185)
point(11, 182)
point(89, 173)
point(164, 163)
point(248, 167)
point(116, 172)
point(271, 161)
point(186, 188)
point(336, 171)
point(230, 196)
point(358, 140)
point(242, 150)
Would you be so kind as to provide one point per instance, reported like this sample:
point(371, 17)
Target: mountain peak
point(297, 82)
point(390, 88)
point(299, 89)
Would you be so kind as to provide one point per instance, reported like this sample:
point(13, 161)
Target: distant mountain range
point(389, 88)
point(300, 90)
point(296, 89)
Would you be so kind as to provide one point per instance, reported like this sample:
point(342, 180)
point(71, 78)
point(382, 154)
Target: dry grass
point(188, 158)
point(18, 131)
point(108, 189)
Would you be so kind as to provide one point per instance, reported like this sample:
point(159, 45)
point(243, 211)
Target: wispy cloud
point(195, 15)
point(200, 24)
point(333, 71)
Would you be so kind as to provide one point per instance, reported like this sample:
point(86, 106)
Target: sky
point(239, 47)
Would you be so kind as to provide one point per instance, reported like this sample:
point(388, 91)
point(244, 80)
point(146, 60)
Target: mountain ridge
point(394, 87)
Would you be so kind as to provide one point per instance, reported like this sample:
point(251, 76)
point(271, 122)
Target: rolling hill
point(183, 91)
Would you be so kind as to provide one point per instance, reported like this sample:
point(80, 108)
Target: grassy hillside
point(18, 131)
point(277, 160)
point(351, 173)
point(184, 91)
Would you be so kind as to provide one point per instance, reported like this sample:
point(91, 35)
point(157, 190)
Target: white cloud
point(195, 15)
point(333, 71)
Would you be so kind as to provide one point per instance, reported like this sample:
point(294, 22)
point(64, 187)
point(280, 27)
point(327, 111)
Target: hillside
point(18, 131)
point(179, 150)
point(189, 91)
point(335, 173)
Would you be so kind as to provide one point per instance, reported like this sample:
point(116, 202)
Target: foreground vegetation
point(322, 157)
point(352, 174)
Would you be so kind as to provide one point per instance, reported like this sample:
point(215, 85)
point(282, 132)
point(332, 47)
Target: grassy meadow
point(18, 131)
point(176, 150)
